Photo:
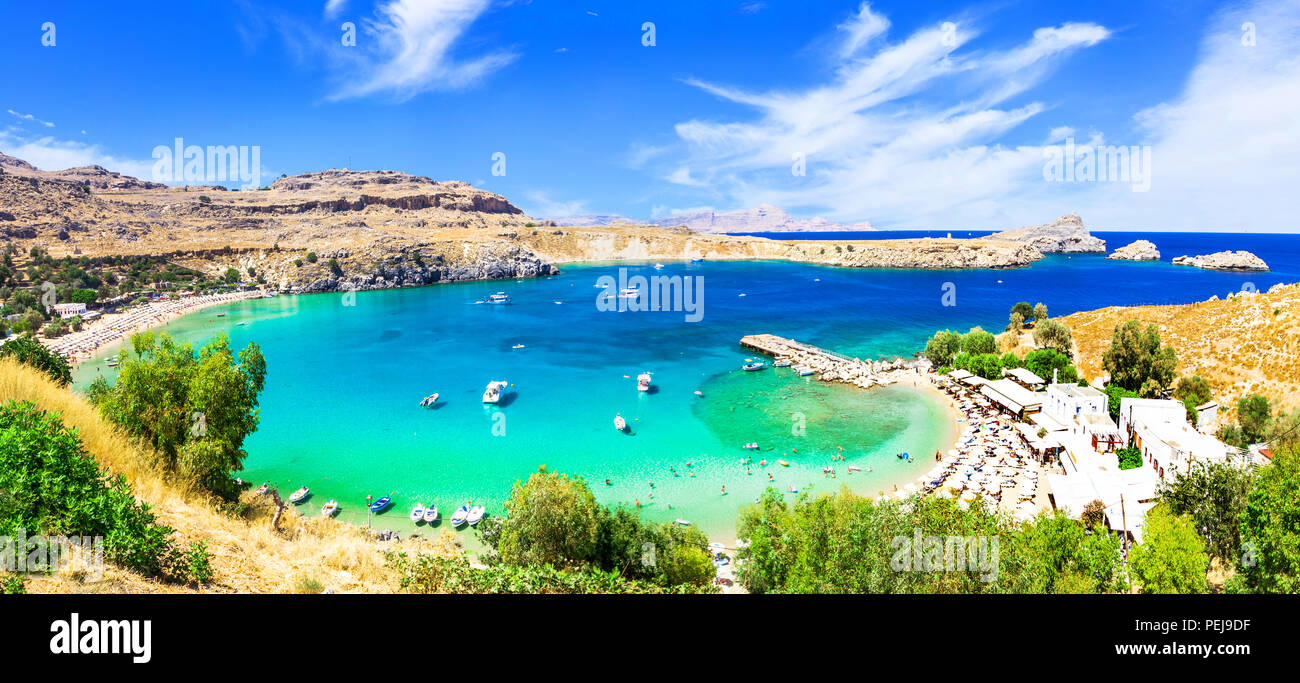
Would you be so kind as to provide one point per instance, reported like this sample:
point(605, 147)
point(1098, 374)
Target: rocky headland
point(1138, 250)
point(1065, 235)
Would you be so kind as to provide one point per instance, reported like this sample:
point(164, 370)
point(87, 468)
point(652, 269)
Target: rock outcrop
point(1065, 235)
point(1223, 260)
point(1139, 250)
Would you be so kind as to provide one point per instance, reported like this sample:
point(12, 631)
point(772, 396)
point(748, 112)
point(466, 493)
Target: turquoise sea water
point(340, 411)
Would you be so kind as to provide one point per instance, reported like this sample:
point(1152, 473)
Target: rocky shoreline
point(1224, 260)
point(1138, 250)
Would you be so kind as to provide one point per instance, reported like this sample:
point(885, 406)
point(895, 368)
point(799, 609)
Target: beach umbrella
point(910, 488)
point(968, 496)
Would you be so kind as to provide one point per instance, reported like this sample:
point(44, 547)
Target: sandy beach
point(114, 327)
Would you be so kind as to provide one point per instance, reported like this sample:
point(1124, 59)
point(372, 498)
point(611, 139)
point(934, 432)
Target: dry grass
point(248, 556)
point(1243, 345)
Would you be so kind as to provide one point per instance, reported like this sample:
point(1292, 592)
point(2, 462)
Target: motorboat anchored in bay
point(494, 390)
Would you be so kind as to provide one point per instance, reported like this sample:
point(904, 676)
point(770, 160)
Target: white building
point(1207, 417)
point(1012, 397)
point(1024, 378)
point(1083, 410)
point(66, 311)
point(1159, 429)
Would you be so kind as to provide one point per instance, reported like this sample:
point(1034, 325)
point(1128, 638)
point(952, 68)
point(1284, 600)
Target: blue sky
point(905, 114)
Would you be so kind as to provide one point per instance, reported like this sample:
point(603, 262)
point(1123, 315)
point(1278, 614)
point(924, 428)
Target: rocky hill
point(1065, 235)
point(1223, 260)
point(1246, 343)
point(1137, 250)
point(379, 229)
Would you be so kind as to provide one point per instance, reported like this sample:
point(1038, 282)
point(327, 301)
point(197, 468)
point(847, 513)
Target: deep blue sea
point(339, 411)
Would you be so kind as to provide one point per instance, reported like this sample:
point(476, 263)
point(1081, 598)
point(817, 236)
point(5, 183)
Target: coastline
point(113, 328)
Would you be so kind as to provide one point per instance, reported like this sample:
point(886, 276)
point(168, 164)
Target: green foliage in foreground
point(430, 574)
point(1270, 530)
point(1171, 557)
point(50, 486)
point(1214, 495)
point(28, 351)
point(849, 544)
point(554, 520)
point(194, 408)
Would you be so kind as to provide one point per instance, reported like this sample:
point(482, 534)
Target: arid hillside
point(1249, 343)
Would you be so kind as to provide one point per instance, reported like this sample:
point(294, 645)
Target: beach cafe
point(1012, 398)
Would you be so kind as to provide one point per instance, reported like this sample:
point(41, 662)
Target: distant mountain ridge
point(762, 218)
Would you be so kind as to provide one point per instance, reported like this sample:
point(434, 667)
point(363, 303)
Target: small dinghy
point(328, 509)
point(429, 400)
point(699, 393)
point(458, 517)
point(854, 468)
point(751, 367)
point(300, 495)
point(782, 363)
point(783, 463)
point(682, 522)
point(381, 504)
point(619, 423)
point(262, 489)
point(417, 514)
point(475, 514)
point(430, 514)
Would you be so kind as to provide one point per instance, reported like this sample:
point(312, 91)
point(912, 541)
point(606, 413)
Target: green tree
point(1040, 312)
point(232, 276)
point(1270, 529)
point(1011, 360)
point(1192, 391)
point(1129, 458)
point(1023, 308)
point(1113, 395)
point(986, 365)
point(1171, 557)
point(1050, 334)
point(977, 341)
point(942, 347)
point(194, 408)
point(1017, 321)
point(28, 351)
point(551, 519)
point(1214, 496)
point(1255, 416)
point(1136, 361)
point(1042, 362)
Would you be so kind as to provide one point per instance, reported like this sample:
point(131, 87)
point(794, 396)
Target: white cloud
point(51, 154)
point(29, 117)
point(546, 207)
point(902, 134)
point(1225, 154)
point(333, 7)
point(408, 48)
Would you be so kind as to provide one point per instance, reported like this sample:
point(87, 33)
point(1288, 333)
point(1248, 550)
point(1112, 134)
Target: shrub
point(30, 352)
point(1129, 458)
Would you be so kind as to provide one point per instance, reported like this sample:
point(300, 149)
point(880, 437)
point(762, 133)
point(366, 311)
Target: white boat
point(643, 382)
point(619, 423)
point(458, 517)
point(429, 400)
point(300, 495)
point(417, 514)
point(629, 293)
point(803, 370)
point(781, 363)
point(328, 509)
point(494, 390)
point(659, 266)
point(475, 514)
point(430, 514)
point(497, 299)
point(683, 522)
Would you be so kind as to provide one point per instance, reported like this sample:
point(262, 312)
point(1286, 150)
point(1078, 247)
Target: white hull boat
point(475, 514)
point(494, 390)
point(417, 515)
point(458, 517)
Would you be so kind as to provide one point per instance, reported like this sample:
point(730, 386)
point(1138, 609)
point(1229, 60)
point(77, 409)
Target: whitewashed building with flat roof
point(66, 311)
point(1159, 429)
point(1012, 397)
point(1083, 410)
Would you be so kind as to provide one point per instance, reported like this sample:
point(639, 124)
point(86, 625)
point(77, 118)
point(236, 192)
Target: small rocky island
point(1065, 235)
point(1139, 250)
point(1223, 260)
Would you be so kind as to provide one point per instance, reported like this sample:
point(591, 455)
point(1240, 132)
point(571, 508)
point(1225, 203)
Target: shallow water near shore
point(340, 412)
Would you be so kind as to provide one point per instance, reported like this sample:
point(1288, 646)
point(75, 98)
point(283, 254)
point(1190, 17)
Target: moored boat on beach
point(430, 514)
point(300, 495)
point(475, 514)
point(381, 504)
point(497, 299)
point(756, 365)
point(458, 517)
point(417, 514)
point(328, 509)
